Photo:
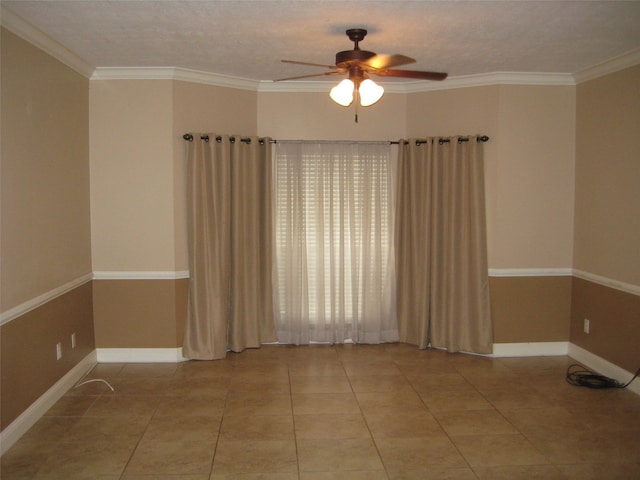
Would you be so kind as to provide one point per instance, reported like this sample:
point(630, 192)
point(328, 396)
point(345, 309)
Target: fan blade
point(412, 74)
point(386, 61)
point(309, 76)
point(307, 63)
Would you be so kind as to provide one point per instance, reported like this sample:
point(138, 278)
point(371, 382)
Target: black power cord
point(586, 378)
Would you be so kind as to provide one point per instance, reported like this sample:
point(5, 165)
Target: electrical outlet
point(58, 350)
point(73, 340)
point(586, 325)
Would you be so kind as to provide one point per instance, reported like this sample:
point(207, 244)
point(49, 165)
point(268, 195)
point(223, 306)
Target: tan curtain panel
point(230, 241)
point(441, 247)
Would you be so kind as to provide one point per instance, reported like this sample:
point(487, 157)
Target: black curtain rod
point(482, 138)
point(189, 138)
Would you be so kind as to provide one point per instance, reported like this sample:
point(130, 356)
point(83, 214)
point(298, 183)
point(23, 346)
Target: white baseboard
point(603, 367)
point(533, 349)
point(140, 355)
point(37, 409)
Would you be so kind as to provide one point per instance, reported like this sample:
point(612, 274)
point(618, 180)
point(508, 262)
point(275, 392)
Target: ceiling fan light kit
point(342, 93)
point(359, 64)
point(369, 92)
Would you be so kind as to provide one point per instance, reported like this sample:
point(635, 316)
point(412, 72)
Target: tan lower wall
point(152, 313)
point(28, 356)
point(139, 313)
point(614, 323)
point(530, 309)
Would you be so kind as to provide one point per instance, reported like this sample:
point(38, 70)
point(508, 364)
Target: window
point(334, 246)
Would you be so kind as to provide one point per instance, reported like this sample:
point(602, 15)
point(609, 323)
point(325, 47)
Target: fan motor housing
point(347, 57)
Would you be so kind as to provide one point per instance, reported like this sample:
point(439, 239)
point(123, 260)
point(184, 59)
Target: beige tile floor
point(333, 413)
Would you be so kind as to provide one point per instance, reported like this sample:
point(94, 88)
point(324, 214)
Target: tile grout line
point(364, 418)
point(293, 420)
point(222, 417)
point(442, 427)
point(499, 411)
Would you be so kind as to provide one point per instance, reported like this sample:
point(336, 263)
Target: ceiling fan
point(359, 64)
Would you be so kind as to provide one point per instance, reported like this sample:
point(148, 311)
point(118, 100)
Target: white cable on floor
point(81, 382)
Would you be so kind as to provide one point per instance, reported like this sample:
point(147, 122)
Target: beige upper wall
point(462, 111)
point(529, 160)
point(533, 187)
point(138, 177)
point(132, 175)
point(607, 217)
point(204, 108)
point(137, 155)
point(210, 108)
point(314, 116)
point(45, 230)
point(529, 164)
point(137, 165)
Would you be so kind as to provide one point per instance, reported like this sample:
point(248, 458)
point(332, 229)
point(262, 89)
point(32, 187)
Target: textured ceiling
point(247, 39)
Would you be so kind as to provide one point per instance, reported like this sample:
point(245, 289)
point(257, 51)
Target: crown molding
point(494, 78)
point(44, 42)
point(269, 86)
point(133, 73)
point(612, 65)
point(621, 62)
point(173, 73)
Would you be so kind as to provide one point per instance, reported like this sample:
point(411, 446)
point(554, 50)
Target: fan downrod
point(356, 35)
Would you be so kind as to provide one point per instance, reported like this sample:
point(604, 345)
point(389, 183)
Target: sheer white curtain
point(334, 275)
